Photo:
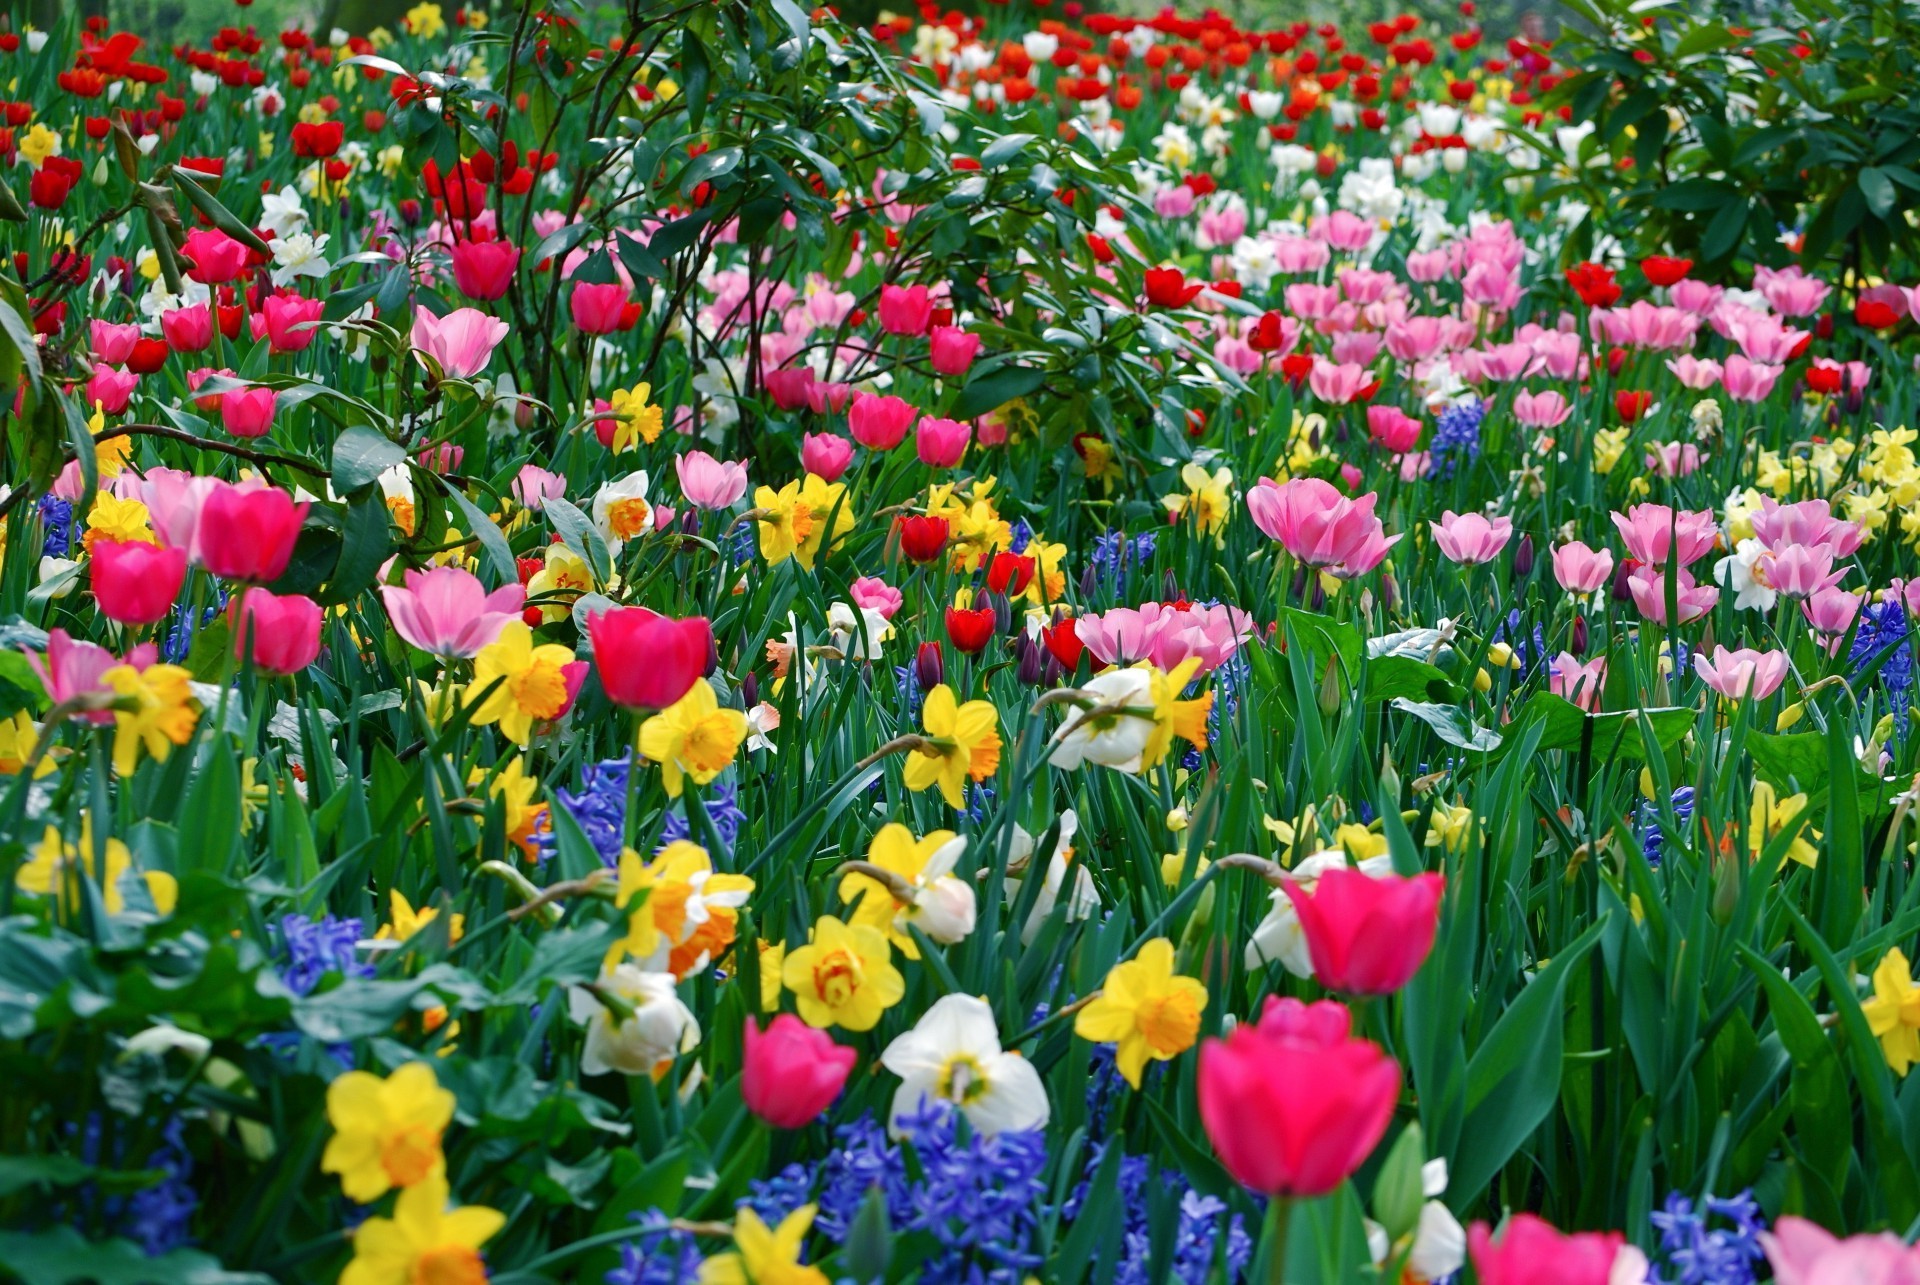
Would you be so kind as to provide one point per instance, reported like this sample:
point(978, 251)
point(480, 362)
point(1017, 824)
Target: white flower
point(953, 1055)
point(1439, 1243)
point(36, 41)
point(396, 483)
point(1369, 190)
point(1737, 571)
point(1115, 739)
point(203, 83)
point(1290, 160)
point(1279, 938)
point(1439, 119)
point(1264, 103)
point(622, 511)
point(857, 633)
point(59, 576)
point(300, 255)
point(660, 1028)
point(281, 212)
point(761, 719)
point(1040, 46)
point(1085, 898)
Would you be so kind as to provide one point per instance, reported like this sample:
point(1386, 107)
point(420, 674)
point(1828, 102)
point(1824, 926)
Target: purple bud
point(929, 666)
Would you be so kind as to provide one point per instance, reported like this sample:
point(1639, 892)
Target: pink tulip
point(135, 583)
point(1531, 1252)
point(708, 483)
point(1832, 612)
point(188, 329)
point(1649, 589)
point(111, 388)
point(1808, 522)
point(448, 613)
point(1415, 339)
point(824, 398)
point(284, 630)
point(1367, 936)
point(1804, 1253)
point(285, 320)
point(1580, 569)
point(484, 269)
point(533, 486)
point(1573, 681)
point(1736, 674)
point(952, 350)
point(1697, 373)
point(905, 310)
point(1696, 297)
point(1339, 384)
point(1541, 410)
point(879, 423)
point(1672, 459)
point(1471, 538)
point(1763, 338)
point(73, 668)
point(1791, 293)
point(246, 532)
point(941, 443)
point(173, 501)
point(646, 660)
point(597, 309)
point(462, 342)
point(791, 1072)
point(825, 455)
point(1653, 531)
point(1392, 429)
point(216, 257)
point(112, 344)
point(247, 412)
point(1747, 381)
point(870, 593)
point(1319, 526)
point(1292, 1104)
point(1802, 570)
point(788, 386)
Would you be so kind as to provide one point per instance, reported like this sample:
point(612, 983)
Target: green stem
point(1274, 1239)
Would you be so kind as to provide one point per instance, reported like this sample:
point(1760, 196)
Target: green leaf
point(1722, 236)
point(365, 543)
point(1877, 187)
point(1005, 148)
point(582, 536)
point(1452, 725)
point(989, 389)
point(361, 455)
point(61, 1256)
point(494, 549)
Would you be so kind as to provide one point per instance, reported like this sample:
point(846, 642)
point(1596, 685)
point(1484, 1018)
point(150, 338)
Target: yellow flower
point(112, 518)
point(515, 789)
point(919, 863)
point(1145, 1009)
point(763, 1255)
point(773, 957)
point(424, 21)
point(688, 907)
point(567, 575)
point(163, 715)
point(1173, 716)
point(39, 143)
point(537, 682)
point(58, 866)
point(406, 921)
point(1609, 444)
point(386, 1133)
point(965, 743)
point(112, 454)
point(424, 1243)
point(19, 738)
point(1450, 827)
point(1360, 842)
point(1893, 1013)
point(843, 976)
point(640, 420)
point(693, 737)
point(795, 524)
point(1207, 501)
point(1770, 815)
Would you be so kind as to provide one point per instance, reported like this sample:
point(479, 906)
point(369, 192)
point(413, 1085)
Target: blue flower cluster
point(315, 947)
point(1652, 838)
point(1021, 535)
point(56, 521)
point(1882, 639)
point(1197, 1240)
point(908, 681)
point(600, 807)
point(1113, 551)
point(156, 1218)
point(186, 626)
point(1456, 436)
point(1698, 1254)
point(659, 1256)
point(723, 810)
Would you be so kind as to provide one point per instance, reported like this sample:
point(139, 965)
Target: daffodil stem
point(894, 746)
point(1279, 1215)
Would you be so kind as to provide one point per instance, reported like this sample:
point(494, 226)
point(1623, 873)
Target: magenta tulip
point(646, 660)
point(598, 309)
point(793, 1072)
point(135, 583)
point(282, 631)
point(484, 269)
point(247, 412)
point(1531, 1252)
point(246, 532)
point(1366, 935)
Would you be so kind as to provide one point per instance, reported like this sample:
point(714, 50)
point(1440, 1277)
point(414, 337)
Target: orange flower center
point(410, 1153)
point(628, 518)
point(448, 1265)
point(541, 690)
point(837, 978)
point(1170, 1023)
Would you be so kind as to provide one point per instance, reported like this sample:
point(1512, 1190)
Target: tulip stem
point(1279, 1215)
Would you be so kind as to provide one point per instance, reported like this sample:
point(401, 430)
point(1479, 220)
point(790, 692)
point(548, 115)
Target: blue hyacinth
point(1692, 1252)
point(723, 810)
point(315, 947)
point(1021, 535)
point(56, 522)
point(1115, 551)
point(1456, 437)
point(659, 1256)
point(1882, 639)
point(1652, 837)
point(600, 807)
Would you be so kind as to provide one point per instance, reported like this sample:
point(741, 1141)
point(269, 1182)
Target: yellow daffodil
point(57, 866)
point(773, 957)
point(164, 712)
point(964, 741)
point(564, 578)
point(639, 419)
point(764, 1255)
point(926, 890)
point(1145, 1009)
point(844, 976)
point(693, 737)
point(424, 1241)
point(424, 21)
point(1770, 815)
point(1609, 445)
point(515, 789)
point(404, 921)
point(19, 738)
point(39, 143)
point(538, 683)
point(1893, 1013)
point(112, 518)
point(1173, 716)
point(1207, 501)
point(386, 1133)
point(1450, 827)
point(684, 906)
point(795, 519)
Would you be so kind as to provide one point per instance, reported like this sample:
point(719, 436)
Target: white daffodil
point(1439, 1246)
point(281, 213)
point(953, 1055)
point(1738, 572)
point(622, 511)
point(1085, 898)
point(300, 255)
point(661, 1025)
point(1115, 738)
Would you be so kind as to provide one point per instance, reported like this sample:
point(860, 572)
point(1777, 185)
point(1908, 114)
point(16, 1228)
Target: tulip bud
point(1089, 581)
point(1523, 558)
point(1623, 580)
point(929, 667)
point(1726, 889)
point(1330, 688)
point(1030, 661)
point(1578, 643)
point(750, 689)
point(1170, 591)
point(1002, 611)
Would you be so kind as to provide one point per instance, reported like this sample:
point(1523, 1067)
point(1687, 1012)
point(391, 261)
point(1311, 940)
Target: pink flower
point(1804, 1253)
point(284, 630)
point(1415, 339)
point(1541, 410)
point(871, 593)
point(216, 257)
point(1802, 570)
point(1808, 522)
point(1762, 337)
point(484, 269)
point(134, 582)
point(1790, 292)
point(825, 455)
point(941, 443)
point(1673, 459)
point(1696, 297)
point(72, 668)
point(247, 412)
point(1747, 381)
point(709, 483)
point(1292, 1104)
point(1649, 589)
point(1470, 538)
point(1367, 935)
point(646, 660)
point(1735, 674)
point(1831, 612)
point(1580, 569)
point(187, 329)
point(791, 1072)
point(173, 501)
point(1392, 429)
point(597, 309)
point(533, 486)
point(952, 350)
point(1339, 384)
point(447, 612)
point(788, 386)
point(879, 423)
point(905, 310)
point(1571, 680)
point(1342, 231)
point(112, 344)
point(111, 388)
point(246, 532)
point(462, 342)
point(287, 320)
point(1428, 266)
point(823, 397)
point(1652, 531)
point(1531, 1252)
point(1319, 526)
point(1697, 373)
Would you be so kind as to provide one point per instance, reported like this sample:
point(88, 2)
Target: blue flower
point(1698, 1254)
point(1882, 639)
point(56, 520)
point(723, 810)
point(659, 1256)
point(316, 947)
point(157, 1217)
point(601, 807)
point(1652, 837)
point(1021, 535)
point(1456, 435)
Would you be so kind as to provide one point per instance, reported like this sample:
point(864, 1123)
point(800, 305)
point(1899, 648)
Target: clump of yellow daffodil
point(693, 737)
point(1145, 1009)
point(386, 1133)
point(844, 976)
point(963, 741)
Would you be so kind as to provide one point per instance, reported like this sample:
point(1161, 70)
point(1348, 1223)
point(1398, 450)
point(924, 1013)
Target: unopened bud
point(929, 666)
point(1523, 558)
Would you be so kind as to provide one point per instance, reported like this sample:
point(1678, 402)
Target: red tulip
point(247, 532)
point(484, 269)
point(1659, 270)
point(1630, 404)
point(970, 631)
point(646, 660)
point(1368, 936)
point(1010, 573)
point(1293, 1105)
point(922, 539)
point(283, 630)
point(792, 1071)
point(1531, 1252)
point(135, 583)
point(1063, 640)
point(1168, 288)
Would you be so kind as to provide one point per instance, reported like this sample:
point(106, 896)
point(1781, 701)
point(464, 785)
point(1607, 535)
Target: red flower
point(970, 630)
point(646, 660)
point(1594, 283)
point(1630, 404)
point(1368, 936)
point(1876, 314)
point(319, 140)
point(1267, 333)
point(1660, 270)
point(922, 539)
point(1063, 640)
point(1168, 288)
point(1010, 573)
